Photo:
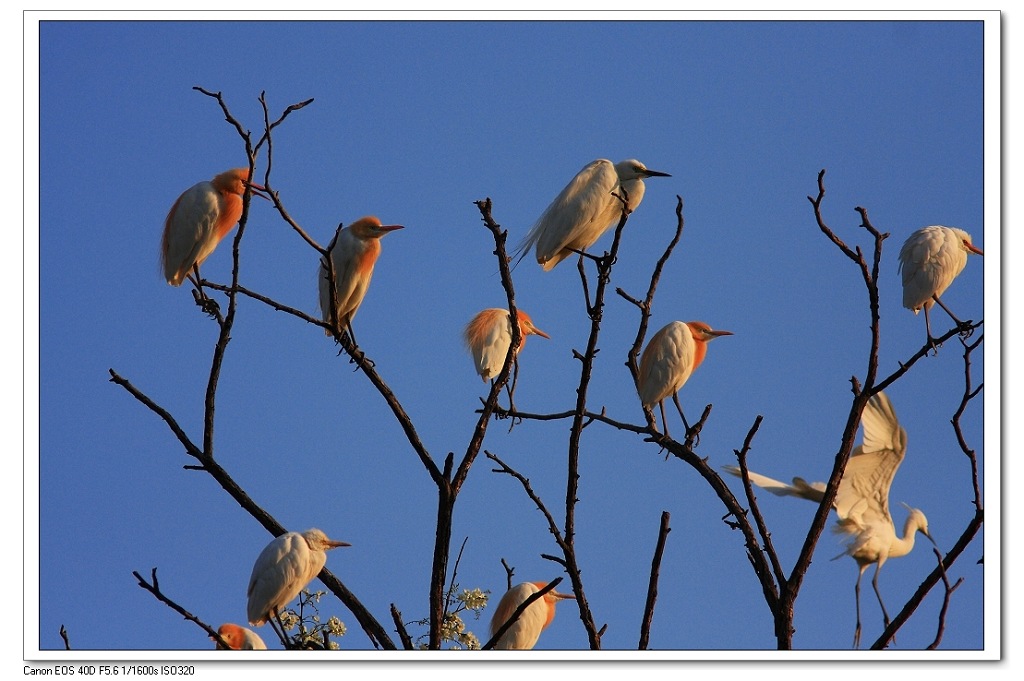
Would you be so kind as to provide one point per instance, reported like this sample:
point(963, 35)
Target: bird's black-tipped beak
point(655, 173)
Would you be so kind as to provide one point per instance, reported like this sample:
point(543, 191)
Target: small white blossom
point(474, 599)
point(336, 627)
point(469, 640)
point(289, 619)
point(452, 627)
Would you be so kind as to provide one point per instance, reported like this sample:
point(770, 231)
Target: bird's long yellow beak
point(538, 332)
point(384, 229)
point(972, 248)
point(337, 544)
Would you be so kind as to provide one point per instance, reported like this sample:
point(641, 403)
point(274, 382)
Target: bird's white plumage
point(525, 631)
point(931, 258)
point(666, 363)
point(346, 256)
point(489, 335)
point(814, 491)
point(189, 234)
point(585, 209)
point(862, 500)
point(490, 351)
point(353, 257)
point(283, 569)
point(252, 641)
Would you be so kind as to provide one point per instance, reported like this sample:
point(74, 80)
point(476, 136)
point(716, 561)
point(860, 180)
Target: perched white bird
point(668, 360)
point(240, 638)
point(586, 209)
point(489, 334)
point(284, 568)
point(862, 501)
point(199, 219)
point(353, 256)
point(930, 260)
point(525, 631)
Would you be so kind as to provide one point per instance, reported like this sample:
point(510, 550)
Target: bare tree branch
point(403, 635)
point(154, 589)
point(652, 586)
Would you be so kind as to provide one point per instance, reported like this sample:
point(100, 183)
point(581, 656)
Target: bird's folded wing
point(574, 211)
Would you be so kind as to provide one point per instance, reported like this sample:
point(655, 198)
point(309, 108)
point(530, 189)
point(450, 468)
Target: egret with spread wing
point(862, 500)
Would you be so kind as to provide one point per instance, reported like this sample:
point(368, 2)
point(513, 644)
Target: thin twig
point(154, 589)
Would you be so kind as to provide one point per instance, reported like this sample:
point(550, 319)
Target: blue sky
point(413, 121)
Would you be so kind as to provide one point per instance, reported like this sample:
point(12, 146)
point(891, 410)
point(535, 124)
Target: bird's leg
point(510, 388)
point(351, 333)
point(856, 591)
point(948, 311)
point(603, 262)
point(928, 330)
point(591, 310)
point(196, 280)
point(691, 433)
point(598, 260)
point(208, 304)
point(194, 277)
point(664, 422)
point(874, 583)
point(963, 327)
point(357, 352)
point(280, 632)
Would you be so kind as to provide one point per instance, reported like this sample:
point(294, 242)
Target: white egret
point(668, 360)
point(489, 334)
point(284, 568)
point(199, 219)
point(525, 631)
point(862, 500)
point(353, 256)
point(931, 258)
point(586, 209)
